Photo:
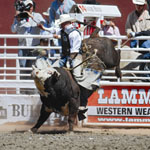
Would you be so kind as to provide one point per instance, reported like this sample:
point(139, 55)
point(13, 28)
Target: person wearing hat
point(46, 24)
point(138, 24)
point(44, 32)
point(138, 21)
point(26, 22)
point(71, 45)
point(46, 17)
point(71, 56)
point(59, 7)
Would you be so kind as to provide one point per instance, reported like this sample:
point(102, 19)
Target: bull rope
point(70, 69)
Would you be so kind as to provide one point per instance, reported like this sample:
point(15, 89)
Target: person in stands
point(26, 22)
point(137, 22)
point(109, 28)
point(148, 6)
point(59, 7)
point(43, 32)
point(46, 24)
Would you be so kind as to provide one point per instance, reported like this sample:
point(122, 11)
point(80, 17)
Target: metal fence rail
point(10, 75)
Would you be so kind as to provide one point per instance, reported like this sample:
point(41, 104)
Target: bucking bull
point(107, 56)
point(60, 93)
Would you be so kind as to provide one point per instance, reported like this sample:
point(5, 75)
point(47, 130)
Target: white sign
point(118, 111)
point(16, 108)
point(96, 10)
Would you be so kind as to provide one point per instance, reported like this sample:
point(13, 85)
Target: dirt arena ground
point(16, 137)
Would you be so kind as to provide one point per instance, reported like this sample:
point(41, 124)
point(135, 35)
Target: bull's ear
point(33, 67)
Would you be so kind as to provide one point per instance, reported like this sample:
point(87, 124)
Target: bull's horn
point(33, 67)
point(95, 51)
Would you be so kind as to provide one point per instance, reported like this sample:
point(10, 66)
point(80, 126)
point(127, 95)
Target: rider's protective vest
point(65, 41)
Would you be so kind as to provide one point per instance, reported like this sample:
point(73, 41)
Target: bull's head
point(43, 74)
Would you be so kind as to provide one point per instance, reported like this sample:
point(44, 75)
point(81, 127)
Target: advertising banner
point(118, 105)
point(15, 108)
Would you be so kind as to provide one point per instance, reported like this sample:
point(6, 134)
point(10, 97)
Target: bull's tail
point(117, 69)
point(118, 72)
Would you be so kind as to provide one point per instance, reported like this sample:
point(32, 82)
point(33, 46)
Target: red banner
point(120, 105)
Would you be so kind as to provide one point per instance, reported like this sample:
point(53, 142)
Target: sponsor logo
point(117, 104)
point(125, 96)
point(23, 110)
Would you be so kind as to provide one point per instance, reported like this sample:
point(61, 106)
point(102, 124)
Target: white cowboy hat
point(27, 2)
point(66, 18)
point(139, 2)
point(47, 12)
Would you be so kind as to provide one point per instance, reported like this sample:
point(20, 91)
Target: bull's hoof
point(81, 115)
point(33, 130)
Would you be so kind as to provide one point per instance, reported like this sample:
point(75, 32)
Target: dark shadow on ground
point(52, 132)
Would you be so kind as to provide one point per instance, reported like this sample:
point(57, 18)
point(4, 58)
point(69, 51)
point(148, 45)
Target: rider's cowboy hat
point(46, 13)
point(139, 2)
point(66, 18)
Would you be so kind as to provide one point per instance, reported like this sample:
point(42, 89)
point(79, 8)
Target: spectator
point(109, 28)
point(25, 22)
point(138, 21)
point(46, 24)
point(148, 6)
point(44, 32)
point(89, 30)
point(34, 20)
point(59, 7)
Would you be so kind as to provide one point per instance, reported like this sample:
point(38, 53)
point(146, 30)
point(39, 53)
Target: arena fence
point(10, 74)
point(18, 94)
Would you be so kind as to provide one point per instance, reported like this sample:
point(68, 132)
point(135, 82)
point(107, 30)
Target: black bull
point(106, 53)
point(64, 95)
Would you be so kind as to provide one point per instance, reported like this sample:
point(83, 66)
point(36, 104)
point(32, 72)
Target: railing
point(132, 77)
point(10, 82)
point(10, 76)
